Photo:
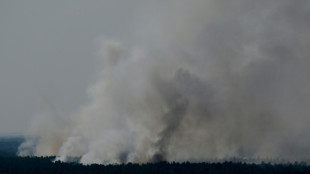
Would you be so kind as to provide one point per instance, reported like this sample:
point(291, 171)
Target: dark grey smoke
point(177, 94)
point(211, 80)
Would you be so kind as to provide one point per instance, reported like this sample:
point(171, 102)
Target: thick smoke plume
point(211, 79)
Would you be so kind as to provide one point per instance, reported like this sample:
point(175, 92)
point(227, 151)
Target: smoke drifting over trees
point(205, 79)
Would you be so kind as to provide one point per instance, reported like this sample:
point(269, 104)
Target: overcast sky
point(49, 52)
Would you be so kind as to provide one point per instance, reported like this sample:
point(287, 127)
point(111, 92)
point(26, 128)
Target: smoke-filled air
point(204, 79)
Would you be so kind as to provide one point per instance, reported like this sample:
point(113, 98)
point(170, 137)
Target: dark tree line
point(45, 165)
point(9, 145)
point(10, 163)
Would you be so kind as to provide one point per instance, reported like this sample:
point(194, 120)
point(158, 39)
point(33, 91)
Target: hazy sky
point(48, 53)
point(154, 80)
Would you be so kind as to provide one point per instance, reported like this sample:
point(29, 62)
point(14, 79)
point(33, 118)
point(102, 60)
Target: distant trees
point(10, 163)
point(9, 145)
point(45, 165)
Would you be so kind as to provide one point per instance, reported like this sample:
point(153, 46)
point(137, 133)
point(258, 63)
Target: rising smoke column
point(212, 79)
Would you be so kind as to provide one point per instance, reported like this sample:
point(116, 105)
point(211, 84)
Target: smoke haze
point(204, 80)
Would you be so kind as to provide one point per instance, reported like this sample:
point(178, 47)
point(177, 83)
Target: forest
point(10, 163)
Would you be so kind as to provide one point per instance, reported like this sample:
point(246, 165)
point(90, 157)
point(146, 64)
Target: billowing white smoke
point(214, 79)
